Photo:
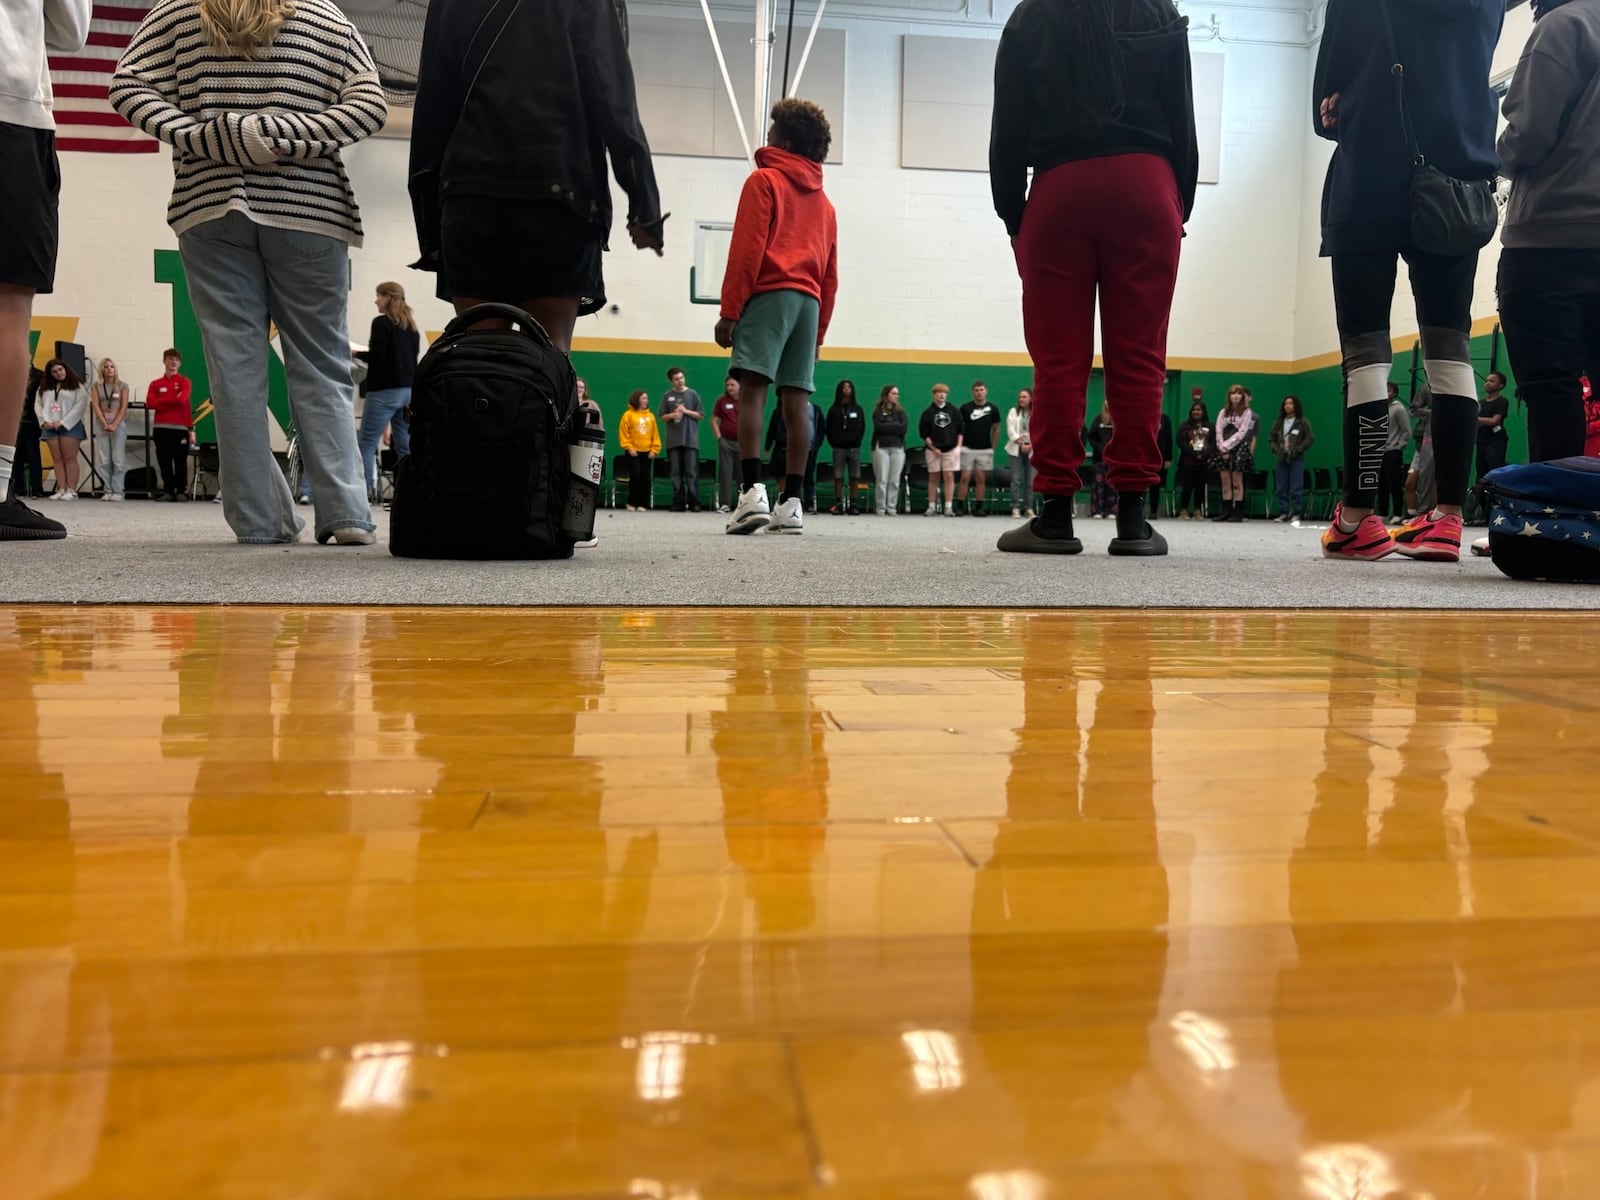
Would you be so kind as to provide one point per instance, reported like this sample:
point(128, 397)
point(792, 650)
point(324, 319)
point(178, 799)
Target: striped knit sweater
point(257, 137)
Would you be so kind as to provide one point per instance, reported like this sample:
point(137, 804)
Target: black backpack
point(491, 414)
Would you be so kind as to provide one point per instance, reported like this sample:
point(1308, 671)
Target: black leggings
point(1363, 294)
point(172, 454)
point(1192, 487)
point(1550, 313)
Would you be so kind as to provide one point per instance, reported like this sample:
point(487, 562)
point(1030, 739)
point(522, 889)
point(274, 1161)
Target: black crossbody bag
point(1449, 216)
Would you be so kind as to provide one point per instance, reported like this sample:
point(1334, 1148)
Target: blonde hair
point(100, 371)
point(243, 28)
point(399, 311)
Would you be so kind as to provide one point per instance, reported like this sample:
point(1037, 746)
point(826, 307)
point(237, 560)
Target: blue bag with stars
point(1544, 520)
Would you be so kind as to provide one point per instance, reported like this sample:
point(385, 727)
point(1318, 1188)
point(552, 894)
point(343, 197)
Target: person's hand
point(724, 333)
point(633, 454)
point(648, 237)
point(1329, 110)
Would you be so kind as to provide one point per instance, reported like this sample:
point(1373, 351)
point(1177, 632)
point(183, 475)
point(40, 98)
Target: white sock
point(7, 454)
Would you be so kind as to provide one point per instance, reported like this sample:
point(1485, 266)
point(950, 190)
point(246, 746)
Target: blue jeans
point(1292, 487)
point(243, 277)
point(385, 408)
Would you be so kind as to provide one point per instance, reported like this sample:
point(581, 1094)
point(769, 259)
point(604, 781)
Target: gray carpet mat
point(146, 553)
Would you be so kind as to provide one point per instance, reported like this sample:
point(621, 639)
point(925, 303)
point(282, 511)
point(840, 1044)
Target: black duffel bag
point(491, 414)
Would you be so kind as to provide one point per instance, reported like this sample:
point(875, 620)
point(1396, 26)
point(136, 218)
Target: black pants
point(1156, 489)
point(639, 471)
point(1192, 487)
point(1391, 500)
point(27, 467)
point(1550, 314)
point(685, 462)
point(172, 454)
point(1492, 451)
point(1363, 294)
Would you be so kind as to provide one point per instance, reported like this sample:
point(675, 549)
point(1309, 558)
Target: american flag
point(84, 118)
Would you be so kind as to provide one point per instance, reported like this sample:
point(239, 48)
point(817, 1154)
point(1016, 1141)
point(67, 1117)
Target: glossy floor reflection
point(691, 904)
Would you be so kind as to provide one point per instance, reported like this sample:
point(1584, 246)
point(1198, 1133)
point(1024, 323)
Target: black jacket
point(1194, 443)
point(1446, 46)
point(1157, 115)
point(1096, 437)
point(847, 426)
point(522, 99)
point(391, 355)
point(889, 428)
point(941, 428)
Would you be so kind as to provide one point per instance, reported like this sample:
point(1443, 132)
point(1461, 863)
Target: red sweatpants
point(1110, 226)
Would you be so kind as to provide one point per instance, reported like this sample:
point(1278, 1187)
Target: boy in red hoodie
point(777, 299)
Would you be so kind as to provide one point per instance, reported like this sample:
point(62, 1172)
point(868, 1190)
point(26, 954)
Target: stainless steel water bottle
point(587, 458)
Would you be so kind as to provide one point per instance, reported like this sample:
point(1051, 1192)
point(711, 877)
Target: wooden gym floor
point(689, 904)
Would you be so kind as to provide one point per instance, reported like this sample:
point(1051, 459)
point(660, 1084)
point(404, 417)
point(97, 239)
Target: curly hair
point(803, 127)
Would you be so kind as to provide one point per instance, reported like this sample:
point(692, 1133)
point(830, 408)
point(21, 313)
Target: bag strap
point(520, 319)
point(1398, 71)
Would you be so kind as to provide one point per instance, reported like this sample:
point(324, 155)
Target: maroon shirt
point(725, 417)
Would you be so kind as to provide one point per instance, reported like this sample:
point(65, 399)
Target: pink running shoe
point(1369, 540)
point(1431, 537)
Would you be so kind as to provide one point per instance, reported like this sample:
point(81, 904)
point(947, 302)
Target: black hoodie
point(941, 427)
point(847, 425)
point(1157, 116)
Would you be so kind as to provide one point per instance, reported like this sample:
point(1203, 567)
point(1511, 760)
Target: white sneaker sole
point(749, 524)
point(786, 528)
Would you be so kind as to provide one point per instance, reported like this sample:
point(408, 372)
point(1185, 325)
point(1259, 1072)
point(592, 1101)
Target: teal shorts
point(776, 338)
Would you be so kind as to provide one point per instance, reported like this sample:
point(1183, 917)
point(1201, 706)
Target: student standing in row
point(681, 414)
point(1194, 454)
point(640, 439)
point(1019, 449)
point(110, 411)
point(1290, 439)
point(171, 405)
point(1446, 51)
point(978, 421)
point(725, 425)
point(889, 425)
point(940, 430)
point(1549, 280)
point(1095, 96)
point(1234, 445)
point(847, 429)
point(1097, 435)
point(62, 403)
point(1493, 410)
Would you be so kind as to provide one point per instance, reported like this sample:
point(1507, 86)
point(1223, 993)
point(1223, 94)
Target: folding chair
point(207, 480)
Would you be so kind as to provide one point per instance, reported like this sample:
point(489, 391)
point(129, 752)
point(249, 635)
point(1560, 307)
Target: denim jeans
point(887, 466)
point(1291, 487)
point(242, 277)
point(111, 458)
point(685, 463)
point(384, 408)
point(1022, 481)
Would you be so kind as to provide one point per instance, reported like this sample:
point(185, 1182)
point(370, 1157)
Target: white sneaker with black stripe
point(752, 512)
point(788, 517)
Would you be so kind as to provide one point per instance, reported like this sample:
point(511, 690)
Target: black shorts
point(29, 207)
point(515, 250)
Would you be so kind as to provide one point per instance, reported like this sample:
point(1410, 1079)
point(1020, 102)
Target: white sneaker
point(753, 511)
point(69, 495)
point(724, 509)
point(931, 511)
point(353, 535)
point(1480, 548)
point(590, 544)
point(788, 517)
point(107, 498)
point(1016, 514)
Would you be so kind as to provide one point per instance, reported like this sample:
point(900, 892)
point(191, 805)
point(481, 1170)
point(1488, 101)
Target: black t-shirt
point(979, 421)
point(1493, 408)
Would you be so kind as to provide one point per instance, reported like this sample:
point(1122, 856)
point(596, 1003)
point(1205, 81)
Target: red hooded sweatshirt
point(785, 237)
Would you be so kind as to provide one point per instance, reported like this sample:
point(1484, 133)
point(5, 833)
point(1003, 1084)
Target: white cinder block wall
point(924, 263)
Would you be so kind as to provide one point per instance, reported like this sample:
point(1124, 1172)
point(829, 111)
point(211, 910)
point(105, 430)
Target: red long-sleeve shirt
point(785, 237)
point(167, 399)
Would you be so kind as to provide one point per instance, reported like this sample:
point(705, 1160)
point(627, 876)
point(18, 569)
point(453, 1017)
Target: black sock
point(1055, 517)
point(793, 485)
point(750, 468)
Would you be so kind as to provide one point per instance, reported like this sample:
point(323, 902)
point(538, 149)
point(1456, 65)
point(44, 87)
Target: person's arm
point(75, 409)
point(924, 424)
point(961, 428)
point(1548, 82)
point(601, 49)
point(1404, 421)
point(1010, 129)
point(144, 91)
point(830, 290)
point(692, 407)
point(1177, 99)
point(752, 230)
point(359, 113)
point(66, 25)
point(1343, 39)
point(437, 109)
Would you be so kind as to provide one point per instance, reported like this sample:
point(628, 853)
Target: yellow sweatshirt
point(638, 431)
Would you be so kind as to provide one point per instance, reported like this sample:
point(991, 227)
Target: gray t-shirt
point(676, 434)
